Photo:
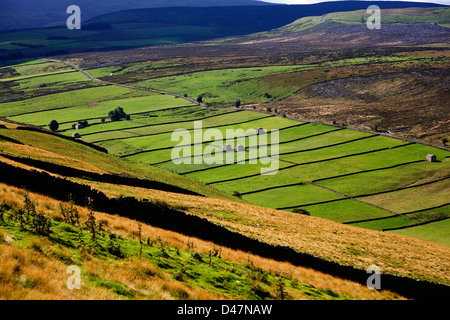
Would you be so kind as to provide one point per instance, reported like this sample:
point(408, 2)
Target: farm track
point(87, 75)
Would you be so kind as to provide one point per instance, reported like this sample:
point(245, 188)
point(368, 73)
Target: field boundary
point(143, 124)
point(164, 132)
point(366, 171)
point(131, 114)
point(27, 127)
point(389, 217)
point(178, 221)
point(183, 146)
point(415, 225)
point(105, 177)
point(402, 188)
point(302, 164)
point(355, 198)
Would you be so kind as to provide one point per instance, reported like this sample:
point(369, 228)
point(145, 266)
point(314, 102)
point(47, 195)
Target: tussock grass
point(34, 267)
point(312, 235)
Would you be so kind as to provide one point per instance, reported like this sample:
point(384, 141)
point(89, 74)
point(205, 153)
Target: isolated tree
point(444, 141)
point(237, 104)
point(54, 125)
point(117, 114)
point(199, 99)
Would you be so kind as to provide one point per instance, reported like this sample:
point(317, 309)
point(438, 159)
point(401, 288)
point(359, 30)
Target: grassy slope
point(325, 239)
point(136, 137)
point(440, 16)
point(44, 147)
point(169, 265)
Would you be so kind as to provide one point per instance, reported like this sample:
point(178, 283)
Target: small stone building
point(227, 147)
point(431, 158)
point(75, 135)
point(79, 126)
point(259, 131)
point(239, 148)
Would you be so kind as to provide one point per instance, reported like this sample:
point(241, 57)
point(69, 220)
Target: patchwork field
point(361, 178)
point(274, 165)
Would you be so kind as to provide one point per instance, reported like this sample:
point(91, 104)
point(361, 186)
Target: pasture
point(333, 172)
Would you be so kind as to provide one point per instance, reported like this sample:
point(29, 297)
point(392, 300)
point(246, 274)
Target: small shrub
point(69, 214)
point(91, 223)
point(41, 224)
point(140, 238)
point(301, 211)
point(30, 207)
point(18, 215)
point(113, 246)
point(280, 289)
point(237, 194)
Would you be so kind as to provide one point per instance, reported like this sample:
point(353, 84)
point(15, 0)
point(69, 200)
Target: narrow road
point(87, 75)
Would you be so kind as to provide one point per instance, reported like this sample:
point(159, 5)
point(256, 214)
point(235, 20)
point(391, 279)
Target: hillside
point(346, 127)
point(136, 28)
point(159, 260)
point(318, 164)
point(31, 14)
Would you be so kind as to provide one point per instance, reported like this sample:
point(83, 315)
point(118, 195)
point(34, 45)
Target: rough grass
point(312, 235)
point(169, 265)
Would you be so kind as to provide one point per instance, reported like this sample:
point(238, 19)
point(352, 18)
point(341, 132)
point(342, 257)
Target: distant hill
point(156, 26)
point(26, 14)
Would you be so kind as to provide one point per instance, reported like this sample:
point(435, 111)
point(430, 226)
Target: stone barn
point(239, 148)
point(227, 147)
point(259, 131)
point(431, 158)
point(75, 135)
point(79, 126)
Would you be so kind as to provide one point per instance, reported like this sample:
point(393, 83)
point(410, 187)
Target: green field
point(349, 176)
point(224, 86)
point(101, 102)
point(437, 232)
